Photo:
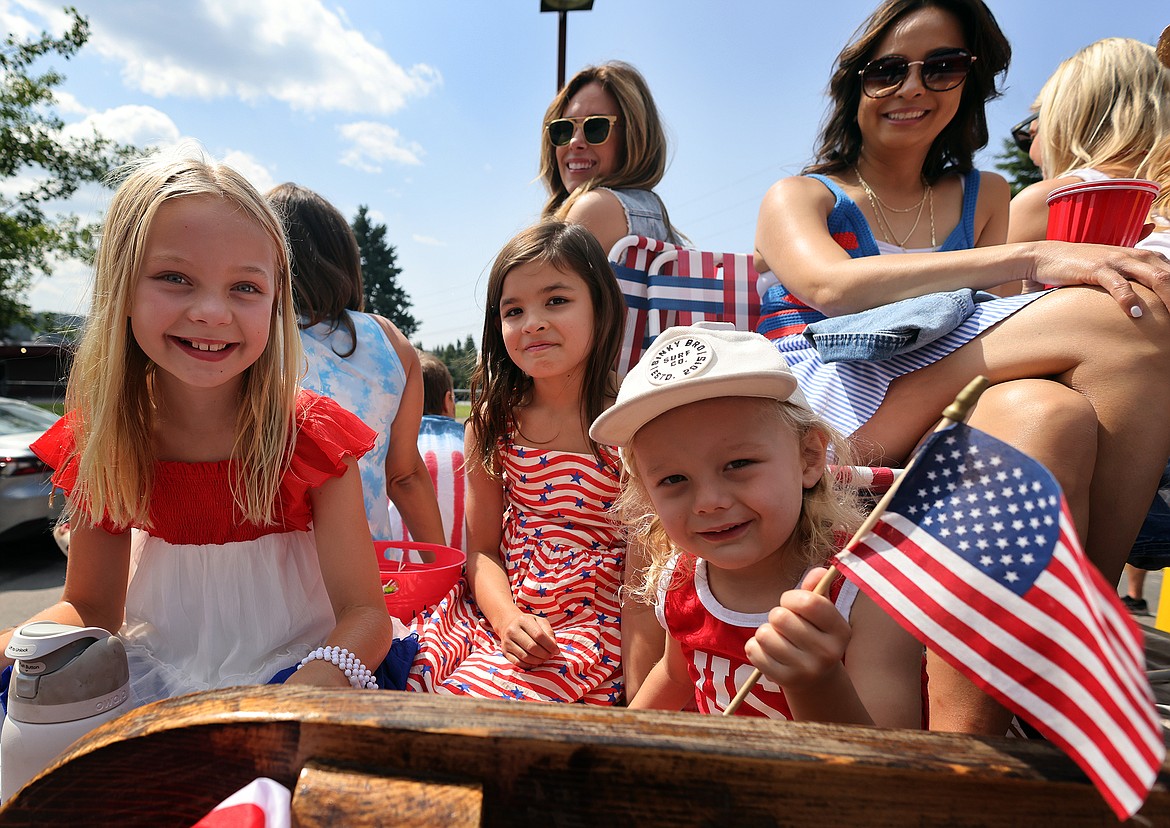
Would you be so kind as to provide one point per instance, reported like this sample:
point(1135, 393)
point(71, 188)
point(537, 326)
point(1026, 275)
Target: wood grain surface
point(519, 764)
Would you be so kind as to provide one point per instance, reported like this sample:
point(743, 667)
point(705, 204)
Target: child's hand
point(528, 641)
point(804, 639)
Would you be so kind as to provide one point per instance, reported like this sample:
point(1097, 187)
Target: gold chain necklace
point(883, 221)
point(874, 196)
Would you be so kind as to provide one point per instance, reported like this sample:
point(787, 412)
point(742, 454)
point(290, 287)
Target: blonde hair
point(1109, 105)
point(110, 385)
point(829, 509)
point(643, 149)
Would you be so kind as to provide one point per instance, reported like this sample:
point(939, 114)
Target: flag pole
point(956, 412)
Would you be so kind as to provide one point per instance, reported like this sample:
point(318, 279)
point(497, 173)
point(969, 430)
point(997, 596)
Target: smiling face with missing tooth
point(203, 301)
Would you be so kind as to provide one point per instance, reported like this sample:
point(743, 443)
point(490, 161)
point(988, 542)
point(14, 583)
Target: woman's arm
point(792, 238)
point(349, 569)
point(991, 222)
point(408, 483)
point(885, 665)
point(668, 686)
point(991, 210)
point(95, 583)
point(526, 640)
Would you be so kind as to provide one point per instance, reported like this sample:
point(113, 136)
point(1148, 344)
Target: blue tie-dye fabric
point(369, 382)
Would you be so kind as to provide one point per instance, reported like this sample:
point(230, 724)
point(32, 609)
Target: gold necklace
point(883, 221)
point(869, 192)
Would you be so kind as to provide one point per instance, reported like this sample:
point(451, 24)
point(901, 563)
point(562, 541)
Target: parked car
point(24, 479)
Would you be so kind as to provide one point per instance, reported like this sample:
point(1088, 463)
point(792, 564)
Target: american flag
point(977, 557)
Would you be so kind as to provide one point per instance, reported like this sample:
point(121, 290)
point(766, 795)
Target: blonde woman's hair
point(1109, 106)
point(641, 135)
point(830, 509)
point(110, 385)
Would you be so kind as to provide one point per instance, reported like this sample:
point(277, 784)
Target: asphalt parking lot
point(32, 572)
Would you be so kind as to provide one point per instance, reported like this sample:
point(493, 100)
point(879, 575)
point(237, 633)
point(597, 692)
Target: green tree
point(40, 167)
point(1016, 166)
point(380, 272)
point(460, 360)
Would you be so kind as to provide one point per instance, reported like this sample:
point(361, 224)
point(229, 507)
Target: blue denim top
point(644, 214)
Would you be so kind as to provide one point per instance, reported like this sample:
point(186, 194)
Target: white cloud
point(372, 142)
point(295, 51)
point(66, 291)
point(142, 126)
point(430, 241)
point(67, 104)
point(260, 176)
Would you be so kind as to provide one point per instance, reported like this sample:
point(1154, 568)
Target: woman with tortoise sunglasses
point(894, 174)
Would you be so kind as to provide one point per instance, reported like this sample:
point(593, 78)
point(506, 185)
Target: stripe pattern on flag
point(977, 556)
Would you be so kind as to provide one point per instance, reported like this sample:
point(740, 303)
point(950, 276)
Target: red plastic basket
point(411, 588)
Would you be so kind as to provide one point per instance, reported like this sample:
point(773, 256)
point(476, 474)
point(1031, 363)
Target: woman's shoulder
point(1029, 209)
point(991, 183)
point(601, 212)
point(803, 191)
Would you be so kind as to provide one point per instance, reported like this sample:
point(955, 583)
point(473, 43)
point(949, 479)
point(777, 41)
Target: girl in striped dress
point(537, 616)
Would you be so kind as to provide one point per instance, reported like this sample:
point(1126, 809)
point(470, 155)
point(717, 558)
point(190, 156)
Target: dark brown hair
point(498, 386)
point(437, 383)
point(326, 260)
point(955, 147)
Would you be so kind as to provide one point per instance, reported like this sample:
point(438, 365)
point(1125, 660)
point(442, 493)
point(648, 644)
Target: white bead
point(358, 674)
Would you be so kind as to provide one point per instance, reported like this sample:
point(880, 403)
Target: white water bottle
point(67, 680)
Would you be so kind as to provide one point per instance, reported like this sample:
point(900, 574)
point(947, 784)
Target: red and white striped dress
point(563, 554)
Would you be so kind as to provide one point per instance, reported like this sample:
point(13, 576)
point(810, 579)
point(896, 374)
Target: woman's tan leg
point(1085, 399)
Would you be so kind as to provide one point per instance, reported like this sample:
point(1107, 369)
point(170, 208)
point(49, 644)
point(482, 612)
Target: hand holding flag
point(976, 556)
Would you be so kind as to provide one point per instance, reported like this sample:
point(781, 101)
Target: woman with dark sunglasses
point(603, 152)
point(1075, 379)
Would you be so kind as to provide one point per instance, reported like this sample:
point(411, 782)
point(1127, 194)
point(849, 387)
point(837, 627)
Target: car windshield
point(17, 416)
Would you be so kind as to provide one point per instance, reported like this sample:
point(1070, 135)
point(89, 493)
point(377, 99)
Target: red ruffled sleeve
point(326, 435)
point(56, 448)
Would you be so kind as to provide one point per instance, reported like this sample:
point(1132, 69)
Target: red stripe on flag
point(1114, 692)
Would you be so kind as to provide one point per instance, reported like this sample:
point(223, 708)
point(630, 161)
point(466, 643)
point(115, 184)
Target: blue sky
point(429, 111)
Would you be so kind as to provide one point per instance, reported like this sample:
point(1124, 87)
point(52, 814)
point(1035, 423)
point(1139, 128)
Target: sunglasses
point(940, 72)
point(1023, 134)
point(595, 128)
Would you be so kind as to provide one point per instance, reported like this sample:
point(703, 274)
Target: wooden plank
point(332, 795)
point(171, 762)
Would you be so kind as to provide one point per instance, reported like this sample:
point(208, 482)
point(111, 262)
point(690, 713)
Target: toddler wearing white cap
point(730, 498)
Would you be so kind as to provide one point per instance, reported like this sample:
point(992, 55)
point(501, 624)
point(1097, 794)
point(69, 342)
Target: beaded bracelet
point(358, 674)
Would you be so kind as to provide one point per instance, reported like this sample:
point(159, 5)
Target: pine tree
point(459, 359)
point(1016, 166)
point(384, 295)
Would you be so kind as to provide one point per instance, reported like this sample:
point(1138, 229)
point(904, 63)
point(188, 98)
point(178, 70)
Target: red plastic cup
point(1113, 211)
point(410, 588)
